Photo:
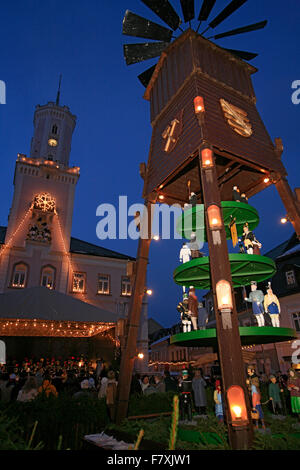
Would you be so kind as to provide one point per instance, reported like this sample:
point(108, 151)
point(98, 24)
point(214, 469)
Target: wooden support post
point(290, 202)
point(229, 342)
point(130, 353)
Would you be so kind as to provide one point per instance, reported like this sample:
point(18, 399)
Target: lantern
point(266, 180)
point(237, 406)
point(224, 297)
point(214, 217)
point(140, 355)
point(284, 220)
point(149, 291)
point(199, 105)
point(207, 158)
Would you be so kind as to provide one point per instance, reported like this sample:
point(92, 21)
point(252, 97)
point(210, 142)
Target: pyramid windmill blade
point(244, 29)
point(165, 11)
point(135, 25)
point(242, 54)
point(206, 9)
point(145, 77)
point(188, 9)
point(135, 53)
point(231, 8)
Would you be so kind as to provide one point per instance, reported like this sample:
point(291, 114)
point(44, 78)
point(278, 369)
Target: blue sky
point(83, 41)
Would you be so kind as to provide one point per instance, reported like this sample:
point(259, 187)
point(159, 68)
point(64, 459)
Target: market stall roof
point(45, 304)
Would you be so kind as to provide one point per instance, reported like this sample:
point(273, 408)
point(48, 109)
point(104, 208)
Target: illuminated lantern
point(149, 291)
point(140, 355)
point(207, 158)
point(284, 220)
point(237, 406)
point(224, 297)
point(266, 180)
point(199, 105)
point(214, 217)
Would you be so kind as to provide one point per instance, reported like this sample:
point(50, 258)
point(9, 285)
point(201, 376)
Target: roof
point(45, 304)
point(86, 248)
point(81, 247)
point(282, 248)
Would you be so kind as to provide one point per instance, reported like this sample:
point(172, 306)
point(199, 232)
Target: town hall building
point(56, 291)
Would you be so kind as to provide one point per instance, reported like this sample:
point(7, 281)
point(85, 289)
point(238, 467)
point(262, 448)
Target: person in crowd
point(102, 388)
point(256, 405)
point(198, 385)
point(48, 388)
point(151, 387)
point(145, 383)
point(170, 382)
point(136, 388)
point(5, 390)
point(274, 395)
point(218, 401)
point(160, 385)
point(293, 386)
point(29, 390)
point(111, 394)
point(84, 391)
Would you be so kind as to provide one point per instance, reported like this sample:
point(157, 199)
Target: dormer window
point(290, 278)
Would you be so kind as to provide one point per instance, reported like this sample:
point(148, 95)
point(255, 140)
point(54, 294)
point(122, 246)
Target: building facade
point(36, 246)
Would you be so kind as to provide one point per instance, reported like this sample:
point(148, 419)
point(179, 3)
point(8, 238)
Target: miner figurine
point(244, 198)
point(272, 306)
point(252, 245)
point(185, 396)
point(183, 309)
point(256, 297)
point(185, 253)
point(193, 199)
point(236, 194)
point(193, 307)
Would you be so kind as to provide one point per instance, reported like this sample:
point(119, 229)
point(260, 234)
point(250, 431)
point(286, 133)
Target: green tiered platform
point(244, 269)
point(250, 336)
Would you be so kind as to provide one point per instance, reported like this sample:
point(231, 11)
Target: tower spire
point(58, 91)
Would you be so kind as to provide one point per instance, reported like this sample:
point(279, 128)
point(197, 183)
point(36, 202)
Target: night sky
point(83, 41)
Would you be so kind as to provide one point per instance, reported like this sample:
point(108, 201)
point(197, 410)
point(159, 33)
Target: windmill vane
point(140, 27)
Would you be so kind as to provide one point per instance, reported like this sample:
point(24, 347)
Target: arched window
point(48, 277)
point(20, 273)
point(54, 129)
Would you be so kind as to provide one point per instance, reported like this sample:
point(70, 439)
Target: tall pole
point(130, 353)
point(229, 342)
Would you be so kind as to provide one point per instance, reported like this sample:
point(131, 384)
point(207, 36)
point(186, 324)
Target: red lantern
point(214, 217)
point(237, 405)
point(207, 158)
point(199, 105)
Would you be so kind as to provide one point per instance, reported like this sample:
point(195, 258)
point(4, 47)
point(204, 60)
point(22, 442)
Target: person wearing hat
point(185, 396)
point(256, 297)
point(293, 386)
point(218, 401)
point(252, 245)
point(183, 309)
point(193, 307)
point(272, 306)
point(274, 394)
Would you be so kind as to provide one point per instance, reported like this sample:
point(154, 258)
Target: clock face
point(237, 118)
point(52, 142)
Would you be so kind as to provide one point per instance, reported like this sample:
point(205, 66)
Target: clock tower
point(40, 217)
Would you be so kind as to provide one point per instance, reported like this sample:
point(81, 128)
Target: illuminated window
point(290, 278)
point(103, 284)
point(126, 286)
point(296, 318)
point(19, 275)
point(79, 280)
point(48, 277)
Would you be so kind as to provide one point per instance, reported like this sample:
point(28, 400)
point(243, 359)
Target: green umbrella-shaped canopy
point(244, 269)
point(250, 335)
point(193, 220)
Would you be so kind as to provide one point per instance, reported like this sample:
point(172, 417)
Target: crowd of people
point(79, 377)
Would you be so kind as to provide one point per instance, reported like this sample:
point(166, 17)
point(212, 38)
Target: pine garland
point(174, 424)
